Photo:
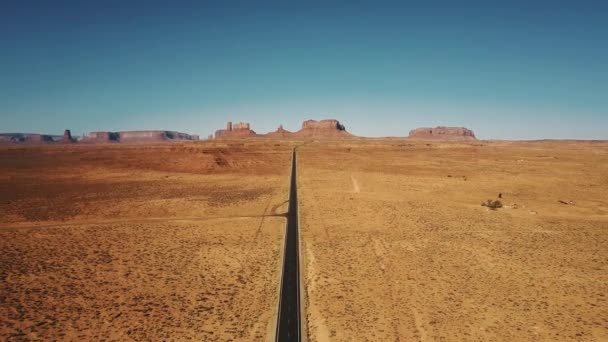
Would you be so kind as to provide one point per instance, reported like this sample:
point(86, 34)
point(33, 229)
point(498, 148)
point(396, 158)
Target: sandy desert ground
point(183, 241)
point(396, 246)
point(115, 243)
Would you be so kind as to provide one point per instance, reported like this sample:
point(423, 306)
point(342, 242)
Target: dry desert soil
point(184, 241)
point(139, 242)
point(396, 246)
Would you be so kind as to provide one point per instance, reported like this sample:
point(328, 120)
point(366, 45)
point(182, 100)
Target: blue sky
point(509, 71)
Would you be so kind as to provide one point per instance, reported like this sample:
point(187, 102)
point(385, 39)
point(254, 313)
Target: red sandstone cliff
point(29, 138)
point(238, 130)
point(329, 128)
point(442, 133)
point(280, 133)
point(137, 136)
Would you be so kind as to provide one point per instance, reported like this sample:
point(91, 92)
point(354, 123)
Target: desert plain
point(184, 240)
point(115, 243)
point(397, 247)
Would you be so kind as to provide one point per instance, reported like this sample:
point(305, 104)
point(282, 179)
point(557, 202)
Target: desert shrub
point(492, 204)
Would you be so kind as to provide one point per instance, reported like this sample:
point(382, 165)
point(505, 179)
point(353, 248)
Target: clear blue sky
point(517, 70)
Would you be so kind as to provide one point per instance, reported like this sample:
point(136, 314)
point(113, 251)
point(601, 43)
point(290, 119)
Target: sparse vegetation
point(492, 204)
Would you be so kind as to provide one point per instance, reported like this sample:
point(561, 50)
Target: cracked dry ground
point(118, 243)
point(396, 245)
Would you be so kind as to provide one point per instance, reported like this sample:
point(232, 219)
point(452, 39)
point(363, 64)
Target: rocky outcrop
point(238, 130)
point(67, 136)
point(137, 136)
point(180, 136)
point(280, 133)
point(142, 136)
point(311, 129)
point(9, 138)
point(100, 137)
point(152, 136)
point(34, 138)
point(329, 128)
point(442, 133)
point(323, 124)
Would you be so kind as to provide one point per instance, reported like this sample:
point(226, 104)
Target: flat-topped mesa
point(323, 124)
point(140, 136)
point(329, 128)
point(33, 138)
point(100, 137)
point(238, 130)
point(97, 137)
point(137, 136)
point(181, 136)
point(442, 133)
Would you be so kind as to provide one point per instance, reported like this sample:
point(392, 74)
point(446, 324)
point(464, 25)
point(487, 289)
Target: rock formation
point(140, 136)
point(34, 138)
point(311, 129)
point(323, 124)
point(280, 133)
point(329, 128)
point(181, 136)
point(12, 137)
point(238, 130)
point(100, 137)
point(442, 133)
point(67, 136)
point(137, 136)
point(97, 137)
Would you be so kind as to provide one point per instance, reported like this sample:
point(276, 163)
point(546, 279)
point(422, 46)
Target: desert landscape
point(397, 246)
point(141, 242)
point(184, 240)
point(291, 171)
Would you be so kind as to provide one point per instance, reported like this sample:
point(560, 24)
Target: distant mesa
point(238, 130)
point(29, 138)
point(101, 137)
point(329, 128)
point(67, 137)
point(280, 133)
point(96, 137)
point(137, 136)
point(329, 124)
point(442, 133)
point(311, 129)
